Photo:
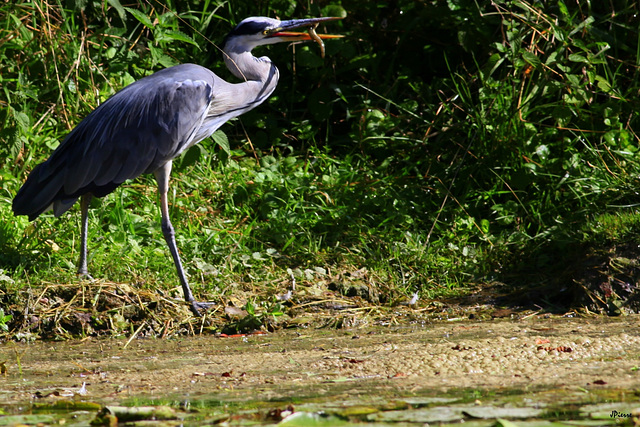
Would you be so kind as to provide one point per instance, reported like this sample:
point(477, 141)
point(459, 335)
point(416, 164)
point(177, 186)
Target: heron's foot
point(84, 275)
point(197, 306)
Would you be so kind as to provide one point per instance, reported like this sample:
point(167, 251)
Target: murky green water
point(530, 372)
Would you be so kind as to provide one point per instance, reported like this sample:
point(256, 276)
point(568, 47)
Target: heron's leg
point(85, 200)
point(162, 176)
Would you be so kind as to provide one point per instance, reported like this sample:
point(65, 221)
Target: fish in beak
point(283, 33)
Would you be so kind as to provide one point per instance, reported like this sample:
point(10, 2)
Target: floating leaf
point(303, 419)
point(500, 412)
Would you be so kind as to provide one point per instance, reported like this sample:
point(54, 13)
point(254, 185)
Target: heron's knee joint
point(167, 229)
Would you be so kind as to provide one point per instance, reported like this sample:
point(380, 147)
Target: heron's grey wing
point(137, 130)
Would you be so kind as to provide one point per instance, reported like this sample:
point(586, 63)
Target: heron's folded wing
point(137, 130)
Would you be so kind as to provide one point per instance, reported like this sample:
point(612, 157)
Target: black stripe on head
point(249, 27)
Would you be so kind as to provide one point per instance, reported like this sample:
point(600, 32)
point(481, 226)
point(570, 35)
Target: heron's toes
point(85, 276)
point(197, 306)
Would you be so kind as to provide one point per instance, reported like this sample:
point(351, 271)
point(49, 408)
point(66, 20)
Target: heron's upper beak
point(283, 30)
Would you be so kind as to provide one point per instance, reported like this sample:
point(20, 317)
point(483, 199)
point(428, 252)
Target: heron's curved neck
point(245, 66)
point(259, 75)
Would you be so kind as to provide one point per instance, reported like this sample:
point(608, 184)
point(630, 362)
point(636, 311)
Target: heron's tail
point(41, 192)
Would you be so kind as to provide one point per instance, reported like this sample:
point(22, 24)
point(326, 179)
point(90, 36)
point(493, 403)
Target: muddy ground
point(540, 364)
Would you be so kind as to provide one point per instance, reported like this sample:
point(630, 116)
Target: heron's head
point(259, 30)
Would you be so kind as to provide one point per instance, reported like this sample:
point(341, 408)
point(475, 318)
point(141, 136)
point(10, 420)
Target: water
point(535, 369)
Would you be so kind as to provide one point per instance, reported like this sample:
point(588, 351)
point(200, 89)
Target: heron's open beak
point(283, 30)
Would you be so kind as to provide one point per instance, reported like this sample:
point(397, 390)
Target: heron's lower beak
point(293, 36)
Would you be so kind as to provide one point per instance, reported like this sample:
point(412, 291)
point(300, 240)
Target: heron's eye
point(265, 32)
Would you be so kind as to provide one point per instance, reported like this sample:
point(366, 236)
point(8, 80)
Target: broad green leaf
point(118, 7)
point(580, 27)
point(141, 17)
point(563, 9)
point(220, 138)
point(166, 61)
point(531, 58)
point(191, 156)
point(603, 84)
point(576, 57)
point(179, 36)
point(334, 10)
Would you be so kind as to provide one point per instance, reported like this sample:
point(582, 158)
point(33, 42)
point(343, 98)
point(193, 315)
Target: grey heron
point(146, 125)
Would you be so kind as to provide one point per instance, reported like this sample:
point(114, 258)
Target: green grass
point(438, 151)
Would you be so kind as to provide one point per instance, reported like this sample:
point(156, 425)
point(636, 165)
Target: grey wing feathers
point(137, 130)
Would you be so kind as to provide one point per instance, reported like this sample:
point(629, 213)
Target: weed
point(4, 319)
point(440, 145)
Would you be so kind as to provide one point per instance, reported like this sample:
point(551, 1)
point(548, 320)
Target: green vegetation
point(4, 318)
point(439, 146)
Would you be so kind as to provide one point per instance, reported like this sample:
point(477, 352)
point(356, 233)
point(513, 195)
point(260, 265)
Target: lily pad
point(426, 415)
point(31, 419)
point(306, 419)
point(499, 412)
